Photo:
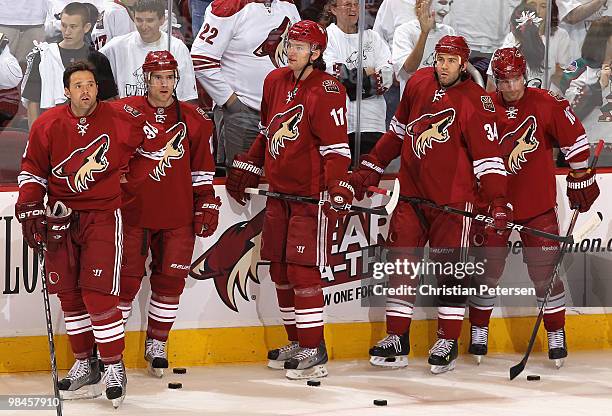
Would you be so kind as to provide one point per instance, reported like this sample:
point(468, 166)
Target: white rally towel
point(51, 75)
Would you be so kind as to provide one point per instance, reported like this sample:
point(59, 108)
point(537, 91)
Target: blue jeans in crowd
point(197, 9)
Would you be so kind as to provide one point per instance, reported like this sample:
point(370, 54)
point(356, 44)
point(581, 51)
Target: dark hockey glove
point(368, 173)
point(31, 215)
point(348, 78)
point(206, 217)
point(501, 212)
point(583, 190)
point(243, 174)
point(58, 225)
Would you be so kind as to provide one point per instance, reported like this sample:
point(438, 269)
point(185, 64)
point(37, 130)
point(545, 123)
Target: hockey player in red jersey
point(168, 200)
point(531, 122)
point(444, 129)
point(304, 150)
point(74, 156)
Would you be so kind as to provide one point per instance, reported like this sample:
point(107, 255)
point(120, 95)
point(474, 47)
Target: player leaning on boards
point(173, 172)
point(444, 130)
point(304, 150)
point(531, 122)
point(74, 155)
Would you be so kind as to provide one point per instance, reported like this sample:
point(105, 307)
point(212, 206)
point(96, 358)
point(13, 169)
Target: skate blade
point(117, 402)
point(478, 359)
point(439, 369)
point(155, 372)
point(559, 362)
point(399, 361)
point(90, 391)
point(317, 371)
point(276, 364)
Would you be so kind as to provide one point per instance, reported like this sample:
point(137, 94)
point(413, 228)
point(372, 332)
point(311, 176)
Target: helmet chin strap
point(294, 91)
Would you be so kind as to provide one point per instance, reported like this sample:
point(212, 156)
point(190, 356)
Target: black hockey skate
point(115, 380)
point(82, 380)
point(391, 351)
point(156, 356)
point(557, 347)
point(277, 357)
point(307, 363)
point(443, 355)
point(479, 342)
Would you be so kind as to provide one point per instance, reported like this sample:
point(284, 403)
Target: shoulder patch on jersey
point(131, 110)
point(556, 96)
point(487, 103)
point(329, 85)
point(203, 113)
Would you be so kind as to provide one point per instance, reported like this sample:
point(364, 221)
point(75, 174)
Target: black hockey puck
point(314, 383)
point(175, 385)
point(380, 402)
point(533, 377)
point(179, 370)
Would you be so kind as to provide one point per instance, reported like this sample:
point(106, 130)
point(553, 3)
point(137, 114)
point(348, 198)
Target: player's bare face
point(298, 55)
point(346, 12)
point(512, 89)
point(161, 86)
point(148, 24)
point(448, 67)
point(73, 31)
point(82, 93)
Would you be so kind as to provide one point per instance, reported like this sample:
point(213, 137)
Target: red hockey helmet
point(309, 31)
point(454, 45)
point(159, 61)
point(508, 63)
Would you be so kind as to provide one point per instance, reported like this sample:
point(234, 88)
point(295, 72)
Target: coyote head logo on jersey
point(78, 168)
point(173, 149)
point(274, 45)
point(284, 126)
point(232, 261)
point(523, 141)
point(430, 128)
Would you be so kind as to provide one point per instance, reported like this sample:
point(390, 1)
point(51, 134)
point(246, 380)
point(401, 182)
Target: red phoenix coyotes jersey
point(78, 159)
point(173, 163)
point(529, 129)
point(303, 139)
point(448, 140)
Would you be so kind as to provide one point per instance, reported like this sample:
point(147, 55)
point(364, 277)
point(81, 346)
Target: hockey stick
point(41, 260)
point(478, 217)
point(518, 368)
point(386, 209)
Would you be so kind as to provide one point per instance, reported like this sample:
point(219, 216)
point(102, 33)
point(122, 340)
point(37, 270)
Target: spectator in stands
point(527, 34)
point(341, 59)
point(586, 81)
point(10, 77)
point(581, 15)
point(414, 41)
point(23, 25)
point(53, 25)
point(238, 45)
point(42, 86)
point(483, 24)
point(127, 53)
point(391, 14)
point(116, 19)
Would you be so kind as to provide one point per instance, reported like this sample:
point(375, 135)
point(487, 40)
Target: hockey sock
point(399, 316)
point(285, 297)
point(308, 304)
point(162, 313)
point(78, 324)
point(449, 321)
point(107, 324)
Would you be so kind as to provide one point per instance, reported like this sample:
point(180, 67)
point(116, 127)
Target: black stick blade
point(517, 369)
